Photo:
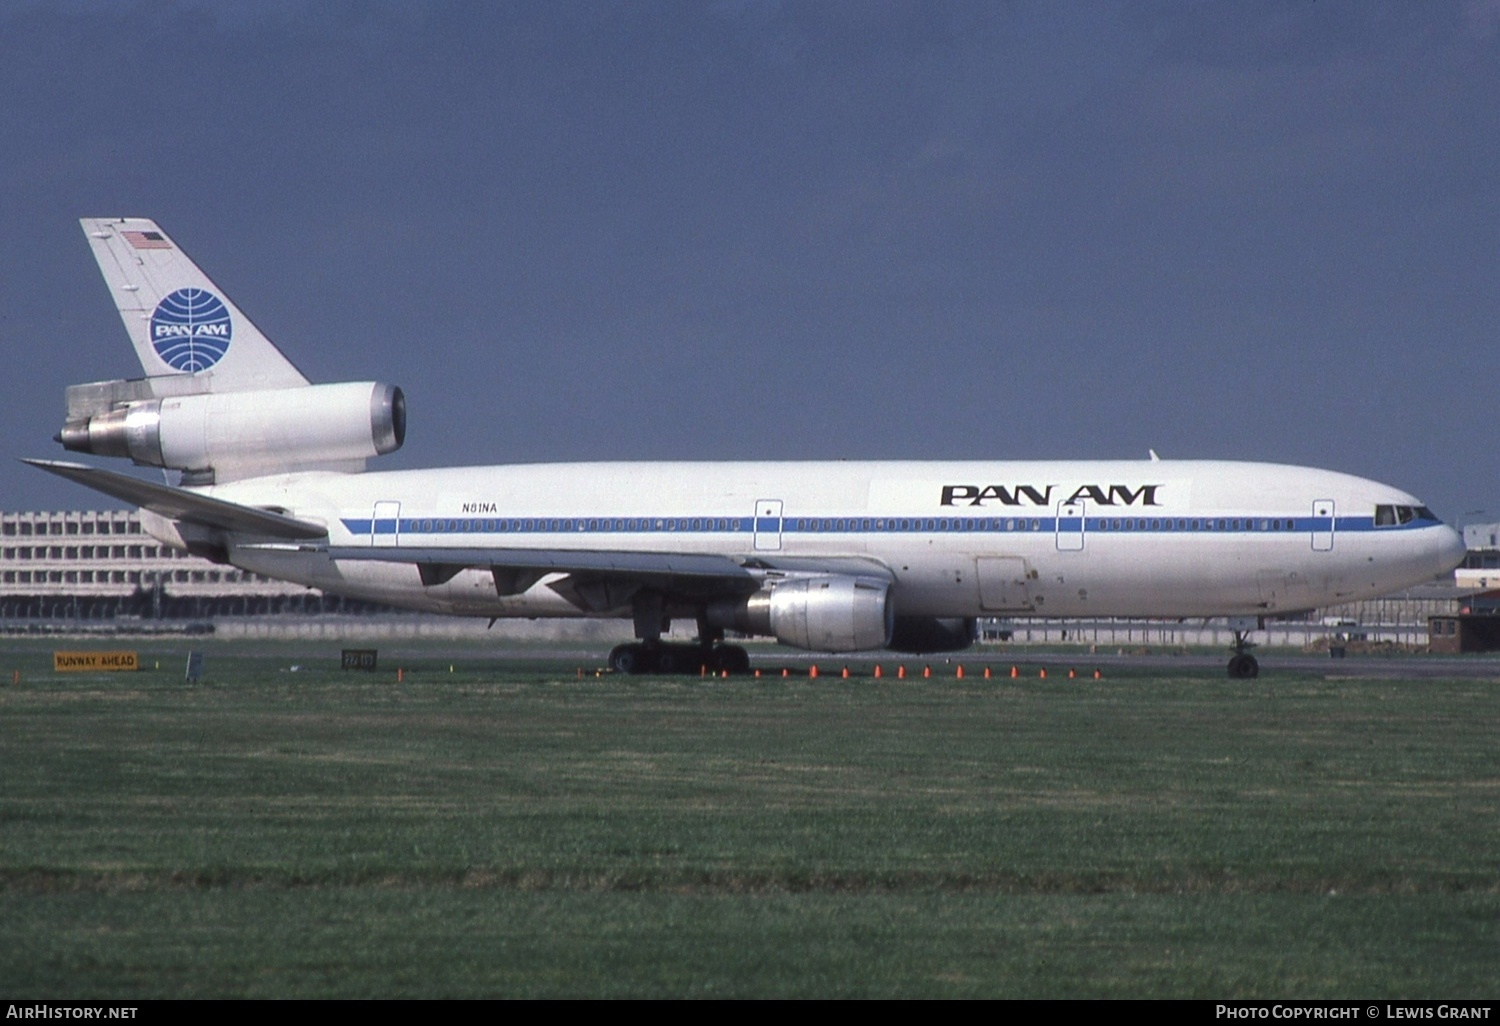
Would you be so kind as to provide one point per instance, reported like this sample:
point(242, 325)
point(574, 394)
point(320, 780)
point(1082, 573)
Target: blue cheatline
point(868, 525)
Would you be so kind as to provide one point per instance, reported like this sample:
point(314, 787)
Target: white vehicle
point(824, 556)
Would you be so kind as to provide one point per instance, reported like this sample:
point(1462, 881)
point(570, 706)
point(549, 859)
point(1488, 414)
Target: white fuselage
point(957, 539)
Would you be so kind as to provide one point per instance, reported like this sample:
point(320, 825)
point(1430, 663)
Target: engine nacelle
point(825, 614)
point(249, 432)
point(919, 635)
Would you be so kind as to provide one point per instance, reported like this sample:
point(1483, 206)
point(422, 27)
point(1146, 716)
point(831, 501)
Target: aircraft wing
point(516, 569)
point(181, 504)
point(636, 564)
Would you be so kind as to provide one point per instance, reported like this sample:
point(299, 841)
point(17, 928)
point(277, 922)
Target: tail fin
point(180, 322)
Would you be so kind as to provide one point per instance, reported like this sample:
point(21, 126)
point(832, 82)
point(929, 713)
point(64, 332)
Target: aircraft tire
point(627, 659)
point(731, 658)
point(1244, 667)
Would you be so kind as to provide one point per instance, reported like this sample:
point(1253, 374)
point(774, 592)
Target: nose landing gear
point(1243, 665)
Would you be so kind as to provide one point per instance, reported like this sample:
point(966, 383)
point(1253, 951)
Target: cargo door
point(1002, 584)
point(1283, 591)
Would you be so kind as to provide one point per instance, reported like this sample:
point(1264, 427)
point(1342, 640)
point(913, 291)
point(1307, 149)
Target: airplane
point(831, 557)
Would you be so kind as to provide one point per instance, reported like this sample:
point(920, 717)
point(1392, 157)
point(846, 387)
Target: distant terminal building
point(1481, 569)
point(1475, 625)
point(98, 565)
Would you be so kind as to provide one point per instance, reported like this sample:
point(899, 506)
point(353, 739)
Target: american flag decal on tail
point(147, 240)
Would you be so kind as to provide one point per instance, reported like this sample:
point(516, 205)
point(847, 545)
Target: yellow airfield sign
point(64, 662)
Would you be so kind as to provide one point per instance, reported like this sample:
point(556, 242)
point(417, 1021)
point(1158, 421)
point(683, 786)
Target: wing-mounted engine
point(215, 437)
point(831, 613)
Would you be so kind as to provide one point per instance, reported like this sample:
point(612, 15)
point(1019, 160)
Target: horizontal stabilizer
point(183, 505)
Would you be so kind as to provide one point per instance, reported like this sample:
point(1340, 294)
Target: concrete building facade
point(96, 565)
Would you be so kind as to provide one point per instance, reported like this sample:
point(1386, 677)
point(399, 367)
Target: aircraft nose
point(1450, 549)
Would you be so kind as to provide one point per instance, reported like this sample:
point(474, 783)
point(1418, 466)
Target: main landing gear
point(650, 654)
point(662, 657)
point(1242, 665)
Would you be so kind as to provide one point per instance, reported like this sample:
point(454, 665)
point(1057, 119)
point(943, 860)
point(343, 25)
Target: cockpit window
point(1392, 516)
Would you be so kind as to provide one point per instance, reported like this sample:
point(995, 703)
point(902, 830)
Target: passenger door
point(385, 524)
point(1322, 525)
point(768, 525)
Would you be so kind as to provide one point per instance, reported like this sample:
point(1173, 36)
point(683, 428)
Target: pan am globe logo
point(190, 330)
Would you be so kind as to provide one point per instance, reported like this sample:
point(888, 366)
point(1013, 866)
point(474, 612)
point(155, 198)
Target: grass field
point(507, 829)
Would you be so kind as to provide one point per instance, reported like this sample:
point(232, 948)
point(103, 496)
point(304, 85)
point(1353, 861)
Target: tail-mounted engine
point(227, 435)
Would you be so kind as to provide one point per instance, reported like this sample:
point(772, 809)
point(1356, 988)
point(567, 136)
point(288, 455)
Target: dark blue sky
point(748, 229)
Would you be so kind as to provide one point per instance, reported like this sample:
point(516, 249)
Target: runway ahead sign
point(64, 662)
